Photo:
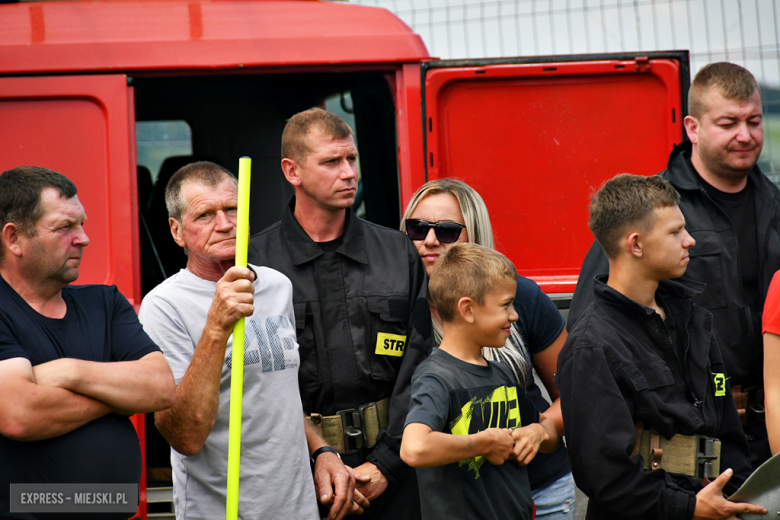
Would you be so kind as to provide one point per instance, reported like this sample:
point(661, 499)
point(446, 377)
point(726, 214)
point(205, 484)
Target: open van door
point(536, 136)
point(84, 128)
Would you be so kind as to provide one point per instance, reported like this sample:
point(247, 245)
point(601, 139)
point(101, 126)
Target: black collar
point(681, 289)
point(682, 174)
point(303, 249)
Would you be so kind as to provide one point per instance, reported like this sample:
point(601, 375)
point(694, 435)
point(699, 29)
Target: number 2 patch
point(390, 344)
point(720, 384)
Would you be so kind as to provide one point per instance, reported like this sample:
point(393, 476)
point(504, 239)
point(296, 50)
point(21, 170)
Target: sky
point(741, 31)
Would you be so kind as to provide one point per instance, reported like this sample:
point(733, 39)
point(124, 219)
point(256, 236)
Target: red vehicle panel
point(82, 125)
point(533, 135)
point(536, 139)
point(165, 35)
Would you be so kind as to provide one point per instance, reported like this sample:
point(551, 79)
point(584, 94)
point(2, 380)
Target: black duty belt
point(692, 455)
point(353, 429)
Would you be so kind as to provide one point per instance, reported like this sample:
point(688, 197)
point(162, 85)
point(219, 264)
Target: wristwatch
point(320, 451)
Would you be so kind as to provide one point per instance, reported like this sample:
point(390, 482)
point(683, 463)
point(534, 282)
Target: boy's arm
point(424, 444)
point(601, 436)
point(422, 447)
point(536, 437)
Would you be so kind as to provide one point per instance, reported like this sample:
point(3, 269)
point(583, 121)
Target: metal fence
point(741, 31)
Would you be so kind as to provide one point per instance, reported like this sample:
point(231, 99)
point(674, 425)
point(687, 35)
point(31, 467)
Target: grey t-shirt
point(276, 479)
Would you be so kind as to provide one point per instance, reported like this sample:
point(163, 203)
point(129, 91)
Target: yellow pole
point(237, 370)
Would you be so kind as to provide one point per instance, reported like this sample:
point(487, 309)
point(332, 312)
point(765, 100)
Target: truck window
point(157, 140)
point(228, 116)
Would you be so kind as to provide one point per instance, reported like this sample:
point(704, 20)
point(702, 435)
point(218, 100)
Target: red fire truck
point(534, 135)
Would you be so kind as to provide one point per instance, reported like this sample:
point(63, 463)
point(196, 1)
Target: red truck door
point(535, 137)
point(84, 128)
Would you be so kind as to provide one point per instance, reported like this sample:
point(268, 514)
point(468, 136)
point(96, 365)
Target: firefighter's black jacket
point(618, 367)
point(714, 261)
point(372, 288)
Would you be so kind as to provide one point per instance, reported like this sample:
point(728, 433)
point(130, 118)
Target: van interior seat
point(171, 255)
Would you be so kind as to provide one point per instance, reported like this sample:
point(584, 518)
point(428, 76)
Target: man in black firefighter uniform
point(732, 211)
point(644, 395)
point(361, 311)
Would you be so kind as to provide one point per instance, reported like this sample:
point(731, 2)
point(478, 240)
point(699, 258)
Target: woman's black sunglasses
point(446, 232)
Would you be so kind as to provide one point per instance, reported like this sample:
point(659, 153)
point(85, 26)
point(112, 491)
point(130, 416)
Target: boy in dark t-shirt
point(468, 415)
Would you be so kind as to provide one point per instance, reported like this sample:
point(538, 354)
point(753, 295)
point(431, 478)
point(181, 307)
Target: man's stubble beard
point(42, 268)
point(719, 168)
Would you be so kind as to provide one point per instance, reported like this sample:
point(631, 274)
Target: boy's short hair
point(466, 270)
point(729, 79)
point(627, 201)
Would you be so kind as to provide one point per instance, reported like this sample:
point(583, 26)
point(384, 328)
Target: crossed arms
point(57, 397)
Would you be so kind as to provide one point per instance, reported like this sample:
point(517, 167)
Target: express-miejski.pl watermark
point(74, 498)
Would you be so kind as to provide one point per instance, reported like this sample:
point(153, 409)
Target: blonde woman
point(444, 212)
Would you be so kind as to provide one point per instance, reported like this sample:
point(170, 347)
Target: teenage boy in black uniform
point(642, 361)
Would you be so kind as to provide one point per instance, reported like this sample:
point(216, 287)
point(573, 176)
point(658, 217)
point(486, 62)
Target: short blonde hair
point(295, 143)
point(730, 80)
point(473, 208)
point(466, 270)
point(627, 202)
